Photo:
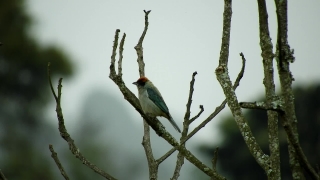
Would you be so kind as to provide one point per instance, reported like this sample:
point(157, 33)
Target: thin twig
point(146, 25)
point(214, 160)
point(139, 48)
point(114, 52)
point(2, 177)
point(65, 135)
point(57, 161)
point(50, 82)
point(165, 156)
point(187, 114)
point(240, 75)
point(198, 115)
point(121, 55)
point(276, 106)
point(186, 123)
point(211, 116)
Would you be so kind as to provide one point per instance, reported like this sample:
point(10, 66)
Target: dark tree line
point(237, 161)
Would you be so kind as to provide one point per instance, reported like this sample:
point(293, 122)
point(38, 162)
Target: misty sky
point(183, 37)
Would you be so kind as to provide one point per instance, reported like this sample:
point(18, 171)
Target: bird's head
point(141, 81)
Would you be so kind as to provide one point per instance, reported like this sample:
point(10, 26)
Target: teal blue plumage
point(158, 100)
point(151, 101)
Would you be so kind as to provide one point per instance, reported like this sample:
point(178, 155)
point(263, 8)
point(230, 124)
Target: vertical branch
point(139, 47)
point(227, 14)
point(267, 55)
point(66, 136)
point(114, 53)
point(284, 56)
point(57, 161)
point(146, 143)
point(214, 160)
point(121, 55)
point(186, 123)
point(225, 82)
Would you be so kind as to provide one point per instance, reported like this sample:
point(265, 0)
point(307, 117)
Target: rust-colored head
point(141, 81)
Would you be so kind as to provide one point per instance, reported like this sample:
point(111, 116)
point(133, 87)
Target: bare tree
point(278, 107)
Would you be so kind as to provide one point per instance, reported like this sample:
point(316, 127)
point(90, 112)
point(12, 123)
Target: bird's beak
point(135, 83)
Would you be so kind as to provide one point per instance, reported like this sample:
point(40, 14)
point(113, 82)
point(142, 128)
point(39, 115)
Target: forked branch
point(154, 122)
point(225, 82)
point(212, 115)
point(284, 56)
point(66, 136)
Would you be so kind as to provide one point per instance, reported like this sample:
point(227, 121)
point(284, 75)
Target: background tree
point(237, 161)
point(24, 94)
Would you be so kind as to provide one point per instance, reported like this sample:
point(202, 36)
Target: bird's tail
point(174, 124)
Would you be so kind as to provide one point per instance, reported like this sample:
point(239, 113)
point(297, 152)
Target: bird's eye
point(141, 83)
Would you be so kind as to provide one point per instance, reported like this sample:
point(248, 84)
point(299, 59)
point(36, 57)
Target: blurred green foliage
point(235, 160)
point(24, 93)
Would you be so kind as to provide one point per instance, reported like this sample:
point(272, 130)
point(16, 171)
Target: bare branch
point(179, 163)
point(139, 48)
point(212, 115)
point(225, 82)
point(262, 106)
point(216, 112)
point(50, 83)
point(214, 160)
point(267, 55)
point(227, 13)
point(154, 122)
point(198, 115)
point(284, 56)
point(57, 161)
point(186, 123)
point(240, 75)
point(187, 114)
point(114, 53)
point(165, 156)
point(121, 55)
point(65, 135)
point(146, 143)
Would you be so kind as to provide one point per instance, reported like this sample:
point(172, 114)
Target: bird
point(152, 102)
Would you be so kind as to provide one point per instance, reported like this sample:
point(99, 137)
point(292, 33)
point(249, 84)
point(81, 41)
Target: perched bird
point(152, 102)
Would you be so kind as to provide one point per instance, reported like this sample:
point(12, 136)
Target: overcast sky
point(183, 37)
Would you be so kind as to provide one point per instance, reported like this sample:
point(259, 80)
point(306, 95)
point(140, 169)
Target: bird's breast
point(148, 106)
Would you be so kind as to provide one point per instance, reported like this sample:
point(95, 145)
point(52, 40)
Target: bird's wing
point(156, 98)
